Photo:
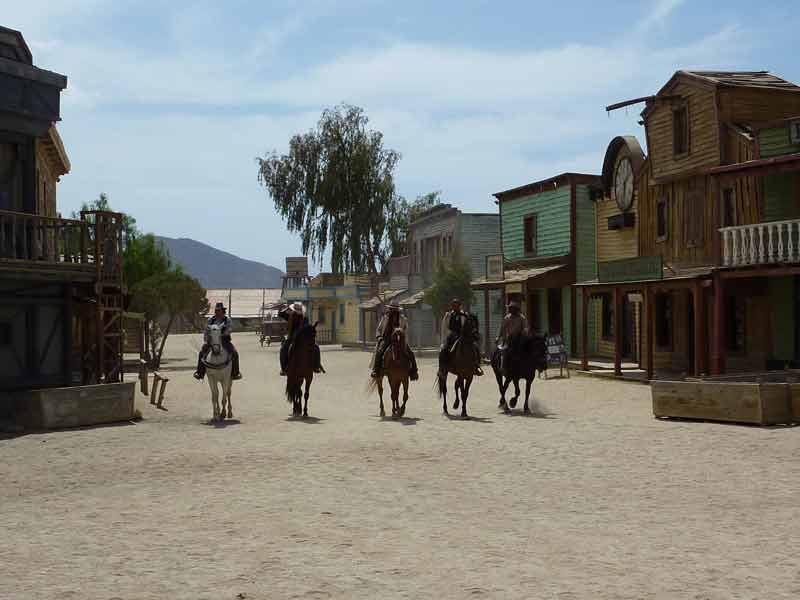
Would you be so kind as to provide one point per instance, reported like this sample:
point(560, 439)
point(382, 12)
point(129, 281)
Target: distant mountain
point(217, 269)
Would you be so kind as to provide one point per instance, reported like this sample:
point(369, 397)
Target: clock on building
point(623, 184)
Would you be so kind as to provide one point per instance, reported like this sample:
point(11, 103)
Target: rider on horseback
point(453, 323)
point(219, 318)
point(513, 328)
point(295, 314)
point(392, 319)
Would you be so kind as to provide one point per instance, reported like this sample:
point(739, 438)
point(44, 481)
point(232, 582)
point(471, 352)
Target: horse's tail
point(372, 385)
point(440, 385)
point(289, 391)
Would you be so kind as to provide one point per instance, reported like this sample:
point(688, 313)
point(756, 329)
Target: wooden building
point(61, 288)
point(548, 232)
point(715, 260)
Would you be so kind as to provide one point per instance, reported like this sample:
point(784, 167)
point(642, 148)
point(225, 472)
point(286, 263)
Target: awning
point(414, 299)
point(670, 275)
point(384, 297)
point(515, 276)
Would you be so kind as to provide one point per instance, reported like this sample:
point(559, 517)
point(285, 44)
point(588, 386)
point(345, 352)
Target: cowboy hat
point(297, 307)
point(219, 306)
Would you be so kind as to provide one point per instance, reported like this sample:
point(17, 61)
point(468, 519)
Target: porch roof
point(414, 299)
point(670, 275)
point(515, 276)
point(382, 298)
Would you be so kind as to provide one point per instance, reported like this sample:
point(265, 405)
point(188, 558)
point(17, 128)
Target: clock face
point(623, 184)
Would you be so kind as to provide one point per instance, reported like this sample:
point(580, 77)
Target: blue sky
point(169, 103)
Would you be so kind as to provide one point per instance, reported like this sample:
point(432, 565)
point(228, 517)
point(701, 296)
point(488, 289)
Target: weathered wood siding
point(748, 105)
point(553, 213)
point(775, 141)
point(704, 147)
point(478, 236)
point(619, 243)
point(585, 261)
point(783, 303)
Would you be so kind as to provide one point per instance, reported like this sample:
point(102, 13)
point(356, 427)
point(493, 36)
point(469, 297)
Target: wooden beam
point(649, 324)
point(697, 298)
point(486, 315)
point(585, 349)
point(625, 103)
point(718, 341)
point(617, 332)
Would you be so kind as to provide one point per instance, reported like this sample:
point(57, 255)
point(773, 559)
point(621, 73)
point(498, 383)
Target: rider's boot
point(235, 367)
point(442, 363)
point(201, 368)
point(317, 361)
point(478, 370)
point(414, 373)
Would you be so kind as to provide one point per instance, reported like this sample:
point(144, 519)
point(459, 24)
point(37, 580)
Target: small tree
point(451, 281)
point(143, 258)
point(129, 228)
point(400, 217)
point(172, 293)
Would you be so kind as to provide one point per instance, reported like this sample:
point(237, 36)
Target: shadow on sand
point(15, 432)
point(401, 420)
point(458, 417)
point(307, 420)
point(531, 415)
point(222, 424)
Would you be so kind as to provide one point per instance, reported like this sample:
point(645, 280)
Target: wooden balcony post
point(617, 331)
point(585, 325)
point(650, 318)
point(718, 341)
point(699, 329)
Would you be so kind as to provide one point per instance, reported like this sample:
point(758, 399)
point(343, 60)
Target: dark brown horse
point(300, 370)
point(462, 363)
point(526, 356)
point(397, 369)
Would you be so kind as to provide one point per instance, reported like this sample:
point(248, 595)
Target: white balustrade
point(761, 243)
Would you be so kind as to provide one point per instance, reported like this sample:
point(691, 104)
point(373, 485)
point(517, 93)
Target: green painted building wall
point(781, 190)
point(774, 141)
point(552, 210)
point(585, 261)
point(783, 306)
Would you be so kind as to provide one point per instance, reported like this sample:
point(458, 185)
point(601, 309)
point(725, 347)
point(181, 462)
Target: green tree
point(172, 293)
point(143, 258)
point(336, 188)
point(452, 280)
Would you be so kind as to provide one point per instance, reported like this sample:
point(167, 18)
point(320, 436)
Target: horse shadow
point(307, 420)
point(530, 415)
point(458, 417)
point(222, 424)
point(402, 420)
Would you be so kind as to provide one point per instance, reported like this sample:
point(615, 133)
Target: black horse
point(526, 356)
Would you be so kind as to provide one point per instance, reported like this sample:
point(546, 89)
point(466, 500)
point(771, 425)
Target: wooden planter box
point(739, 402)
point(56, 408)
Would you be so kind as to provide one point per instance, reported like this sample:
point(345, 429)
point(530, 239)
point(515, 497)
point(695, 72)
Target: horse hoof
point(456, 405)
point(383, 413)
point(526, 410)
point(513, 403)
point(403, 411)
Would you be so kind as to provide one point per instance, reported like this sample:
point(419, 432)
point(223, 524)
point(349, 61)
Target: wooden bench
point(155, 392)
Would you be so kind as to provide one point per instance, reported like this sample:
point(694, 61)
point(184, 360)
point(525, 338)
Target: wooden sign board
point(297, 266)
point(514, 288)
point(630, 269)
point(794, 131)
point(494, 268)
point(556, 350)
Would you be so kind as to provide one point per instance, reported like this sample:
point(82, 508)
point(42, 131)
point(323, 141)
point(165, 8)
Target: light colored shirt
point(513, 325)
point(403, 324)
point(226, 323)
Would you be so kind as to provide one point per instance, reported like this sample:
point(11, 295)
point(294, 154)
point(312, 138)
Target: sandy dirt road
point(598, 500)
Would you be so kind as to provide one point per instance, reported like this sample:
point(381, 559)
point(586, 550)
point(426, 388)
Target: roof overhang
point(761, 166)
point(546, 185)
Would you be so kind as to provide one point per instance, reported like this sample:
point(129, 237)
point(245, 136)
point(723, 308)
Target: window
point(341, 314)
point(529, 234)
point(694, 217)
point(608, 317)
point(680, 131)
point(663, 320)
point(662, 220)
point(735, 323)
point(728, 207)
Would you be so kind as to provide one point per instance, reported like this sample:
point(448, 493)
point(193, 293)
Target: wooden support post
point(585, 325)
point(650, 317)
point(143, 376)
point(153, 390)
point(487, 343)
point(164, 381)
point(718, 342)
point(617, 331)
point(699, 328)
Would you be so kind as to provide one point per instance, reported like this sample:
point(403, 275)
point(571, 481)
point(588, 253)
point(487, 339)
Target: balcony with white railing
point(761, 243)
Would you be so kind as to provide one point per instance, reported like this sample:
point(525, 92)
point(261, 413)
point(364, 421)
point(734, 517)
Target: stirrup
point(237, 376)
point(197, 376)
point(283, 373)
point(414, 375)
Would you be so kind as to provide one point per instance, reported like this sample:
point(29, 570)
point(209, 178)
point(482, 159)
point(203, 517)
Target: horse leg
point(456, 387)
point(443, 389)
point(395, 386)
point(380, 395)
point(405, 397)
point(514, 400)
point(503, 389)
point(526, 409)
point(212, 383)
point(229, 386)
point(465, 385)
point(308, 388)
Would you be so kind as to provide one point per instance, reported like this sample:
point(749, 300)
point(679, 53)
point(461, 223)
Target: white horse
point(218, 371)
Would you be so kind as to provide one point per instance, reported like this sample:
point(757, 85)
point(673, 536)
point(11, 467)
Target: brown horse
point(396, 368)
point(462, 363)
point(526, 356)
point(300, 370)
